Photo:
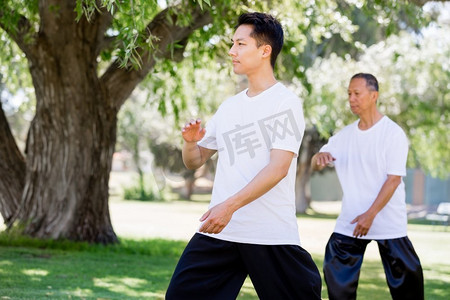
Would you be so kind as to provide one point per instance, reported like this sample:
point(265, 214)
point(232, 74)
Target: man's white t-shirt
point(364, 159)
point(243, 131)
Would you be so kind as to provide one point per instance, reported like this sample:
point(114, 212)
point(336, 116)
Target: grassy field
point(141, 269)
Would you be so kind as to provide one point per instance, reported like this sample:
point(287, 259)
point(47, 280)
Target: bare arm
point(216, 218)
point(194, 156)
point(320, 160)
point(365, 220)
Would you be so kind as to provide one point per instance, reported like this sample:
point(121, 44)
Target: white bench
point(442, 214)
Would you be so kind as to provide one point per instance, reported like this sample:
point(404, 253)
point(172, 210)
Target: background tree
point(346, 32)
point(413, 71)
point(84, 59)
point(60, 189)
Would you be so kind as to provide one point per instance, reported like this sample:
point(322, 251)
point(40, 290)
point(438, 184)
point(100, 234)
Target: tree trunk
point(63, 185)
point(189, 187)
point(69, 153)
point(12, 171)
point(72, 136)
point(302, 187)
point(311, 144)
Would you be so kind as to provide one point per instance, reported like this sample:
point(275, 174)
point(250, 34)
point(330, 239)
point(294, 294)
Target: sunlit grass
point(141, 269)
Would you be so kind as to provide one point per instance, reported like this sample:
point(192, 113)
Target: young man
point(250, 227)
point(370, 159)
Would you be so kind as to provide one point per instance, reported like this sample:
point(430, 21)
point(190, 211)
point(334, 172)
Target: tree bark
point(12, 171)
point(71, 138)
point(423, 2)
point(311, 144)
point(63, 185)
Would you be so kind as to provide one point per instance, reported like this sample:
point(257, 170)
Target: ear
point(267, 50)
point(374, 96)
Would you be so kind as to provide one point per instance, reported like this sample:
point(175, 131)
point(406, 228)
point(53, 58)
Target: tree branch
point(163, 29)
point(22, 32)
point(423, 2)
point(103, 20)
point(107, 43)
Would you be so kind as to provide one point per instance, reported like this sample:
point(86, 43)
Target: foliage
point(413, 71)
point(309, 25)
point(73, 50)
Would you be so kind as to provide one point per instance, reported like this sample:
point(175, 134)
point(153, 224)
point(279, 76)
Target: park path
point(178, 220)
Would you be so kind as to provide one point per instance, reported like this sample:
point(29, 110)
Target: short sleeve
point(285, 128)
point(209, 141)
point(330, 146)
point(397, 154)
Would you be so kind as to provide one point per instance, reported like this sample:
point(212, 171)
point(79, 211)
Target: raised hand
point(193, 131)
point(324, 159)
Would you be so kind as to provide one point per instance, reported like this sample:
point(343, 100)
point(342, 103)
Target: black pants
point(344, 256)
point(214, 269)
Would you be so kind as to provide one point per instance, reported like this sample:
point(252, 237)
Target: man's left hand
point(363, 224)
point(216, 218)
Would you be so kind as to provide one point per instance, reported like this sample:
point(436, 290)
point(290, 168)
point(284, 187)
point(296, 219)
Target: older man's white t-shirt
point(364, 159)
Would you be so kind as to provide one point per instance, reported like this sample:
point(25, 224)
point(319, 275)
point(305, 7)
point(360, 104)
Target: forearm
point(385, 194)
point(217, 217)
point(364, 221)
point(264, 181)
point(192, 156)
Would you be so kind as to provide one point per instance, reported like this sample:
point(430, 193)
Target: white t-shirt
point(243, 131)
point(364, 159)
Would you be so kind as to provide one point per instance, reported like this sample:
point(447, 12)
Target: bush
point(140, 193)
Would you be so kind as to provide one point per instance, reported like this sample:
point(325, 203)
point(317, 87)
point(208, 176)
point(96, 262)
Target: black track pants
point(343, 259)
point(214, 269)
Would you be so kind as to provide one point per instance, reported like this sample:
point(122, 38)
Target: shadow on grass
point(39, 269)
point(133, 269)
point(140, 269)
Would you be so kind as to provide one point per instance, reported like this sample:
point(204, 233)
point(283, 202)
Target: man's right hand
point(321, 160)
point(193, 132)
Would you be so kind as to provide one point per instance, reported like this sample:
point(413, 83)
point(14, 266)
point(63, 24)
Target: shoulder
point(285, 99)
point(286, 94)
point(347, 129)
point(392, 128)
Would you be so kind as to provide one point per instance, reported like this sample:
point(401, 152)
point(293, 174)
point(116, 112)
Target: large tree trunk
point(12, 171)
point(72, 136)
point(69, 155)
point(70, 142)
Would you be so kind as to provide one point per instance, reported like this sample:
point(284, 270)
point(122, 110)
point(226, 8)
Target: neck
point(368, 120)
point(260, 81)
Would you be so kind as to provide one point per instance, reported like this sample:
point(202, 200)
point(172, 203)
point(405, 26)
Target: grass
point(130, 270)
point(141, 269)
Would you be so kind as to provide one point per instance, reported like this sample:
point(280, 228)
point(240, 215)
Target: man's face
point(247, 57)
point(360, 97)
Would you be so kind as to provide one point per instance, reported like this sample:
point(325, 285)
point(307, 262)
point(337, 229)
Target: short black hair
point(267, 30)
point(371, 81)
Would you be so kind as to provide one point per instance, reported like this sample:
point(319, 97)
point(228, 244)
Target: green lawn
point(142, 270)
